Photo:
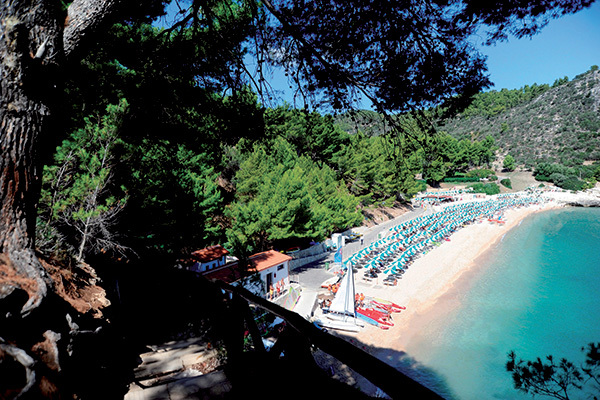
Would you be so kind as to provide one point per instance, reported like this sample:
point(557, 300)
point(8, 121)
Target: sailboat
point(342, 311)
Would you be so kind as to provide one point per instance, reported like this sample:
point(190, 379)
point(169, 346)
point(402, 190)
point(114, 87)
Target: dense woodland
point(545, 129)
point(127, 143)
point(296, 177)
point(155, 164)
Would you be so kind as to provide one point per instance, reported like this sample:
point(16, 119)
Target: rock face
point(588, 198)
point(585, 203)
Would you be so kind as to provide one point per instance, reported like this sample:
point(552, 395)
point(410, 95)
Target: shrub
point(572, 183)
point(546, 171)
point(557, 178)
point(461, 179)
point(487, 188)
point(509, 163)
point(389, 202)
point(506, 183)
point(480, 173)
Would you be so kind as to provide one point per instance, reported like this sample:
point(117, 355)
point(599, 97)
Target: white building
point(270, 267)
point(208, 258)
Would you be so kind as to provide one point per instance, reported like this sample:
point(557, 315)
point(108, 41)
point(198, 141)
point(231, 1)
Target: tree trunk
point(30, 47)
point(33, 38)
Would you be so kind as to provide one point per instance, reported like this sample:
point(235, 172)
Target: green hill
point(538, 123)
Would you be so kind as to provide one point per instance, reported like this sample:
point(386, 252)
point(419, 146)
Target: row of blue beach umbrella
point(411, 238)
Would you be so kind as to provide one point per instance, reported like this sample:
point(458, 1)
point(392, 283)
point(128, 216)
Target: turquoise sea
point(538, 294)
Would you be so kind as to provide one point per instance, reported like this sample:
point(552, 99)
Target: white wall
point(278, 275)
point(203, 267)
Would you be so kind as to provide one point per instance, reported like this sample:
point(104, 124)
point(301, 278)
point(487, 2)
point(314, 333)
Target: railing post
point(229, 325)
point(241, 305)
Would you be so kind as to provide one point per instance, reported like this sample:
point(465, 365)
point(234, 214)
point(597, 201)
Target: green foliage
point(543, 171)
point(557, 379)
point(78, 195)
point(462, 179)
point(179, 127)
point(506, 183)
point(560, 81)
point(285, 198)
point(492, 103)
point(596, 172)
point(487, 188)
point(372, 172)
point(562, 176)
point(175, 197)
point(562, 119)
point(383, 164)
point(443, 156)
point(187, 148)
point(369, 123)
point(480, 173)
point(421, 185)
point(572, 183)
point(509, 163)
point(312, 134)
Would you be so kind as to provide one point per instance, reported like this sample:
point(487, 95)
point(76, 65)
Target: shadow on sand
point(400, 360)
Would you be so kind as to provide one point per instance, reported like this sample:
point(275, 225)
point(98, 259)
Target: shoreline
point(433, 277)
point(433, 287)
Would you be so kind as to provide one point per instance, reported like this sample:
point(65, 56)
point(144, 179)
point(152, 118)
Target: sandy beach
point(433, 275)
point(431, 286)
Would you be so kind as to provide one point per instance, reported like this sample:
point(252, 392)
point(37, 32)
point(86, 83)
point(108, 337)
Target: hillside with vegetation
point(538, 123)
point(550, 130)
point(134, 133)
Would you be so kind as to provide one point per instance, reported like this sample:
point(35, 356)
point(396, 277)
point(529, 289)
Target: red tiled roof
point(268, 259)
point(210, 253)
point(227, 274)
point(230, 273)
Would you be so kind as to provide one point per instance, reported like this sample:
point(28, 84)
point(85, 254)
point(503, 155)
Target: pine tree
point(78, 194)
point(509, 163)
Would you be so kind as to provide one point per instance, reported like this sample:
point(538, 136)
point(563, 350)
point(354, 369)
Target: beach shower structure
point(403, 242)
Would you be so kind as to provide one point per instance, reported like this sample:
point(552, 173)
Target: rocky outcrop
point(588, 198)
point(585, 203)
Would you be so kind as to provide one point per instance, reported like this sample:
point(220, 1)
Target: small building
point(338, 240)
point(208, 258)
point(273, 268)
point(270, 270)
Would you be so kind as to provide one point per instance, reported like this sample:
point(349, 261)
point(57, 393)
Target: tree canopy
point(180, 162)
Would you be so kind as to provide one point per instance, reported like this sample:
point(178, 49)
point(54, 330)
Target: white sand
point(431, 276)
point(446, 269)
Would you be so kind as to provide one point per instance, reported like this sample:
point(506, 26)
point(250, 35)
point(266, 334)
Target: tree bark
point(30, 47)
point(83, 19)
point(35, 39)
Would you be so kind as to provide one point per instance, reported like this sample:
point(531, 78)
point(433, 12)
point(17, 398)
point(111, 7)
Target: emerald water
point(538, 294)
